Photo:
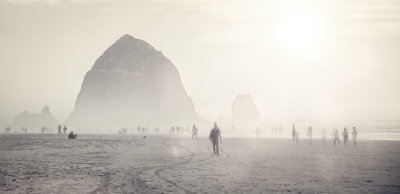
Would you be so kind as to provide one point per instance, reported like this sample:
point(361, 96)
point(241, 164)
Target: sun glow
point(301, 30)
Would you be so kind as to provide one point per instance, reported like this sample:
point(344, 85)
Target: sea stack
point(132, 84)
point(245, 114)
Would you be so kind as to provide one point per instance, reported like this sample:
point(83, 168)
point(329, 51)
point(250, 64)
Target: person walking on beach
point(354, 133)
point(215, 135)
point(293, 132)
point(345, 135)
point(59, 129)
point(65, 129)
point(309, 134)
point(194, 131)
point(297, 136)
point(323, 135)
point(335, 137)
point(258, 133)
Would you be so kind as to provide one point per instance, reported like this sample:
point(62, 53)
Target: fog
point(317, 62)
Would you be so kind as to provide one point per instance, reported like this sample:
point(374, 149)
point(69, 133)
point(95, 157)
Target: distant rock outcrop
point(34, 122)
point(244, 112)
point(132, 84)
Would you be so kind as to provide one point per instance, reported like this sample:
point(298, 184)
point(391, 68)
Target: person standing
point(309, 134)
point(215, 135)
point(345, 135)
point(354, 133)
point(293, 132)
point(335, 137)
point(194, 131)
point(323, 135)
point(59, 129)
point(65, 129)
point(296, 136)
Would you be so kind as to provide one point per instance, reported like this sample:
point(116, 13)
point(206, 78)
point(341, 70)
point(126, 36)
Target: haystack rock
point(34, 122)
point(132, 84)
point(244, 112)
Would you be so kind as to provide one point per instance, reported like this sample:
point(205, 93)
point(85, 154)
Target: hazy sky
point(322, 60)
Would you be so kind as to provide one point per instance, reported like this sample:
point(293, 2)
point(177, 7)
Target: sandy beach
point(131, 164)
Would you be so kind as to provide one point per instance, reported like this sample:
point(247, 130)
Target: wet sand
point(131, 164)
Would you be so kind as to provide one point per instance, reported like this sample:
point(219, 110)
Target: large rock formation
point(245, 114)
point(132, 84)
point(34, 122)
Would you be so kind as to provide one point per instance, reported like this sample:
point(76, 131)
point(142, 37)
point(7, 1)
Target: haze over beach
point(318, 61)
point(117, 96)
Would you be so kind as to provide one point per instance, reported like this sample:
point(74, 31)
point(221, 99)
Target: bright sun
point(298, 33)
point(300, 30)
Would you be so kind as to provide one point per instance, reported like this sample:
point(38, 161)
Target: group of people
point(64, 130)
point(345, 135)
point(214, 137)
point(276, 130)
point(122, 131)
point(335, 136)
point(179, 130)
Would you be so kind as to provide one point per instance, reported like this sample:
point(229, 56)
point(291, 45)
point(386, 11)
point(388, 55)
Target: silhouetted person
point(65, 129)
point(335, 137)
point(215, 134)
point(354, 133)
point(345, 135)
point(309, 134)
point(43, 129)
point(173, 130)
point(59, 129)
point(71, 135)
point(293, 132)
point(296, 136)
point(258, 133)
point(323, 135)
point(194, 131)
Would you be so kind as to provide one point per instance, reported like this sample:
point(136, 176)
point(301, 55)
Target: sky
point(319, 60)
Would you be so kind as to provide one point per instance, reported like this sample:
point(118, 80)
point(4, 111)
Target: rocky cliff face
point(245, 113)
point(132, 84)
